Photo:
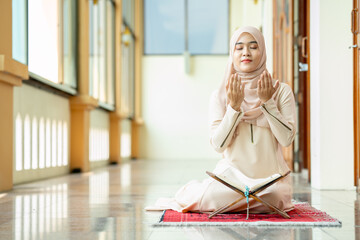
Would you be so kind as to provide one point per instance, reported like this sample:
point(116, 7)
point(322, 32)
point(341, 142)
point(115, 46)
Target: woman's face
point(247, 53)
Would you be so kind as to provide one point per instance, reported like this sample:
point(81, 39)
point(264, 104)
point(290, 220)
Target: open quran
point(254, 185)
point(247, 187)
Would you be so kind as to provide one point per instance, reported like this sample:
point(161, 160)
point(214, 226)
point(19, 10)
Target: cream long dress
point(255, 151)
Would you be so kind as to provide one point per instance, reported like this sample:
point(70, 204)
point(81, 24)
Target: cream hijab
point(251, 103)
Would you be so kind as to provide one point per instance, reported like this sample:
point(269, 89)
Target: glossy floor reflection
point(108, 203)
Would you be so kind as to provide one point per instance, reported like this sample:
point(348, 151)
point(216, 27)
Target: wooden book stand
point(251, 194)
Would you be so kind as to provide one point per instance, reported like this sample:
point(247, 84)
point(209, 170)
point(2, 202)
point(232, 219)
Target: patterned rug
point(303, 216)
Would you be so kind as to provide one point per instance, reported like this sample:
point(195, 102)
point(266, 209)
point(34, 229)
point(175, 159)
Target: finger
point(227, 83)
point(260, 83)
point(230, 82)
point(237, 81)
point(270, 77)
point(266, 81)
point(270, 83)
point(263, 78)
point(277, 84)
point(233, 82)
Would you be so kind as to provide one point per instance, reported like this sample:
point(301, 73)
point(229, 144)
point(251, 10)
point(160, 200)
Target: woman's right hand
point(235, 91)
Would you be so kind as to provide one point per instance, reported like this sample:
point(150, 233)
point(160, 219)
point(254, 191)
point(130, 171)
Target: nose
point(246, 51)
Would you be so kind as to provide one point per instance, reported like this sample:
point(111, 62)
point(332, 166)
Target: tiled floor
point(108, 204)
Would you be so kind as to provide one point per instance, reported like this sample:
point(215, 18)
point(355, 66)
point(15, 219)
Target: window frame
point(61, 88)
point(186, 39)
point(107, 105)
point(131, 84)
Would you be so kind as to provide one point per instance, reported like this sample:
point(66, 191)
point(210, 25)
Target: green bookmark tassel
point(247, 201)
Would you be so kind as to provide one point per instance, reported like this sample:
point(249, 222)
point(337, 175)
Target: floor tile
point(108, 203)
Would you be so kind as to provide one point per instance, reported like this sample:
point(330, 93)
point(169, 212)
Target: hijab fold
point(251, 104)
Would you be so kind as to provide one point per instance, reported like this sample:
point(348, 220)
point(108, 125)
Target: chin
point(247, 70)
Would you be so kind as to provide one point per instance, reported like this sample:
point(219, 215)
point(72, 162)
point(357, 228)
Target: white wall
point(332, 160)
point(267, 27)
point(175, 104)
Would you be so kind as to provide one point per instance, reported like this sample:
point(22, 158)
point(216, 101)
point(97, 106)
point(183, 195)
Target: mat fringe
point(250, 224)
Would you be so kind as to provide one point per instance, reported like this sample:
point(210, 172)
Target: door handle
point(354, 23)
point(303, 67)
point(353, 46)
point(303, 49)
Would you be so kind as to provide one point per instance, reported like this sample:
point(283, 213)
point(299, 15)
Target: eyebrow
point(243, 43)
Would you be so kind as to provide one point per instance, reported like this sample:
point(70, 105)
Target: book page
point(239, 180)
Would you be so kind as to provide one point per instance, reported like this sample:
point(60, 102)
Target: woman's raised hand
point(235, 91)
point(265, 88)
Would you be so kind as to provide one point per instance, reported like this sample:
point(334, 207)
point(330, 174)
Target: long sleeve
point(282, 118)
point(222, 123)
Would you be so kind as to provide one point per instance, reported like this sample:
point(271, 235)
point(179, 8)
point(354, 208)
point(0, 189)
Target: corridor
point(108, 203)
point(104, 108)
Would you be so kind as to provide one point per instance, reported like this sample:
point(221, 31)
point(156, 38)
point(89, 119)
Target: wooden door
point(284, 52)
point(355, 46)
point(302, 85)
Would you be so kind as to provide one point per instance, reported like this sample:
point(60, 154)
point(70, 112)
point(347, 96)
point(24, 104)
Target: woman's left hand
point(265, 88)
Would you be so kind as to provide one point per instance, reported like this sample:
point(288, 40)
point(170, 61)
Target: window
point(208, 27)
point(128, 77)
point(164, 26)
point(44, 38)
point(128, 11)
point(19, 30)
point(128, 59)
point(176, 26)
point(70, 43)
point(127, 89)
point(102, 48)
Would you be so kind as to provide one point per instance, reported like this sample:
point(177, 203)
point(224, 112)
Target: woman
point(251, 117)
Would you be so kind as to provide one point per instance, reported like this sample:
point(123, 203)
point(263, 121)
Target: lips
point(246, 61)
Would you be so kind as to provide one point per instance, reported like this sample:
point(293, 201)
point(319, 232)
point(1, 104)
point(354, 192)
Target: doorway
point(302, 86)
point(283, 57)
point(356, 86)
point(291, 65)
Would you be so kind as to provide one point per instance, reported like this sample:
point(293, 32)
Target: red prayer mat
point(302, 215)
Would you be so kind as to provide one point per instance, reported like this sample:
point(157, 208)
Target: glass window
point(128, 77)
point(206, 30)
point(110, 59)
point(43, 26)
point(164, 26)
point(128, 10)
point(19, 30)
point(94, 49)
point(208, 26)
point(37, 28)
point(102, 50)
point(69, 41)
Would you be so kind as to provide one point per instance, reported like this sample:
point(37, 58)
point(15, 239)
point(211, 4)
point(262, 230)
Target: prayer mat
point(303, 215)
